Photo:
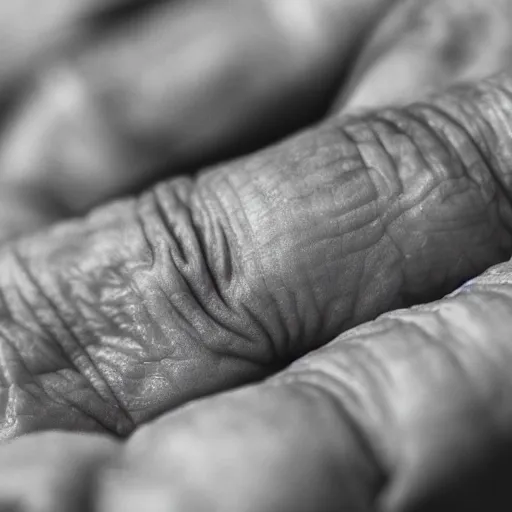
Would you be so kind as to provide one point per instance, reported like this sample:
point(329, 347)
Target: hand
point(408, 413)
point(382, 176)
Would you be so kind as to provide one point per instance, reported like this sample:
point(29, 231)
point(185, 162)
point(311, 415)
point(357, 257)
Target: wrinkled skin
point(410, 412)
point(205, 283)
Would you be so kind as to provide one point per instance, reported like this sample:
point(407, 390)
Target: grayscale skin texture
point(199, 285)
point(207, 283)
point(410, 412)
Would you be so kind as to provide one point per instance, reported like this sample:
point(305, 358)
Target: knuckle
point(196, 265)
point(48, 373)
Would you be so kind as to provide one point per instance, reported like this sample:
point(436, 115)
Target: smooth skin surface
point(204, 283)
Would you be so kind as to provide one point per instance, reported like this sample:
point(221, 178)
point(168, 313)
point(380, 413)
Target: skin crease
point(366, 449)
point(361, 473)
point(201, 285)
point(396, 415)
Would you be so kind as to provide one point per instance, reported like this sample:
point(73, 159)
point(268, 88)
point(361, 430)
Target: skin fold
point(408, 412)
point(203, 284)
point(394, 415)
point(206, 283)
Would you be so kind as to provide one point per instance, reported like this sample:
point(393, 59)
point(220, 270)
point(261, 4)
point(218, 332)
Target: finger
point(52, 472)
point(187, 83)
point(200, 285)
point(427, 45)
point(411, 412)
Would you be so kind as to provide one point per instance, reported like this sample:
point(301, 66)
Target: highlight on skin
point(204, 284)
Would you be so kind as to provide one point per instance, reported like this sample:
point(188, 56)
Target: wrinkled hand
point(206, 283)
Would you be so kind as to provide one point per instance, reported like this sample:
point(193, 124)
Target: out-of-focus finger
point(52, 472)
point(426, 45)
point(412, 412)
point(180, 85)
